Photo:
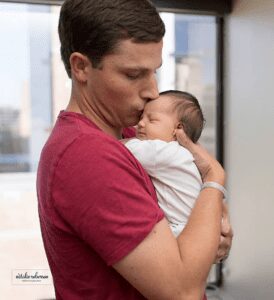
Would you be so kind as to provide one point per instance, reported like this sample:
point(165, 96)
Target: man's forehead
point(140, 54)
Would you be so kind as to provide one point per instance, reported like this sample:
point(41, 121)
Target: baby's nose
point(141, 123)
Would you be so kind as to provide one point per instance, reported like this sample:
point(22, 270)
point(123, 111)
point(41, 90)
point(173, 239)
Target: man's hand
point(226, 237)
point(209, 168)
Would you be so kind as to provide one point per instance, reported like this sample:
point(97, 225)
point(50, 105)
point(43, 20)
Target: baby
point(171, 167)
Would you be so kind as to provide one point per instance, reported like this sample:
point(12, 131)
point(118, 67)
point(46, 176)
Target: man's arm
point(204, 163)
point(161, 267)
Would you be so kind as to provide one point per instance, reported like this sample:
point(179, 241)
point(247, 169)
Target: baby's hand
point(208, 166)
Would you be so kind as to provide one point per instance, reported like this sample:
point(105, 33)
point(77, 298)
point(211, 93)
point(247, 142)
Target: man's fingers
point(226, 236)
point(226, 226)
point(182, 138)
point(224, 248)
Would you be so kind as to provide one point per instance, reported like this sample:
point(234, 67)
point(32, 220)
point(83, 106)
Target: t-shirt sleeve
point(105, 196)
point(145, 152)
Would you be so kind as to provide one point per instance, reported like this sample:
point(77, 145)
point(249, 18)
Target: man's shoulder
point(75, 143)
point(73, 128)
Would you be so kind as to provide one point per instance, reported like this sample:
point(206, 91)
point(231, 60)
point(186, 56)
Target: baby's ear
point(178, 126)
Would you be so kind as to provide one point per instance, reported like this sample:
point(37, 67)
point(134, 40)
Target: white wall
point(249, 148)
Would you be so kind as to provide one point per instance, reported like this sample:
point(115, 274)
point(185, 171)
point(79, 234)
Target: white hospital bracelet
point(215, 185)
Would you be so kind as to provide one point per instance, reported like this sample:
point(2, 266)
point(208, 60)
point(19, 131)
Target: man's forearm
point(199, 241)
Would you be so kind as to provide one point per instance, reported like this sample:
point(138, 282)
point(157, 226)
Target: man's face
point(118, 91)
point(158, 121)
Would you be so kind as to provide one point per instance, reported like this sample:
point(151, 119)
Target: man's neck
point(92, 116)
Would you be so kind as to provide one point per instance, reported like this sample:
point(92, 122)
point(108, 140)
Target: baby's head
point(172, 110)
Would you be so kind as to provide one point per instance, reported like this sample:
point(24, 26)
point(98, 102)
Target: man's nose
point(151, 91)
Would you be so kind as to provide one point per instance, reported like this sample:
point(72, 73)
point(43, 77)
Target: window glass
point(189, 64)
point(33, 83)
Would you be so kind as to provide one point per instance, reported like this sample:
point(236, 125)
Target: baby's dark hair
point(189, 112)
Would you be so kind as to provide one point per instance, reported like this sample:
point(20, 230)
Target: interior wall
point(249, 148)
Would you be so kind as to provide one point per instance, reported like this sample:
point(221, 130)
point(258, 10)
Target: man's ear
point(79, 66)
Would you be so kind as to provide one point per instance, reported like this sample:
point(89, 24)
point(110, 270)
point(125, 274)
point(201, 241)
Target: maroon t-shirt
point(96, 204)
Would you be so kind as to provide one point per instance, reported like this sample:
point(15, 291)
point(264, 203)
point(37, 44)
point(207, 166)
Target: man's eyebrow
point(141, 69)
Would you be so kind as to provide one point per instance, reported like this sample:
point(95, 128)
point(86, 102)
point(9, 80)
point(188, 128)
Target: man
point(105, 236)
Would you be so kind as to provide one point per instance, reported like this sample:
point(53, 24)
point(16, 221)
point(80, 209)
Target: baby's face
point(158, 121)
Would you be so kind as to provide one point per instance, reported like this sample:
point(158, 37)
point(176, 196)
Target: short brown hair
point(95, 27)
point(189, 113)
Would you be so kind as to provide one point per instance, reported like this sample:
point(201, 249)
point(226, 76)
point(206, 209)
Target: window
point(32, 79)
point(35, 86)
